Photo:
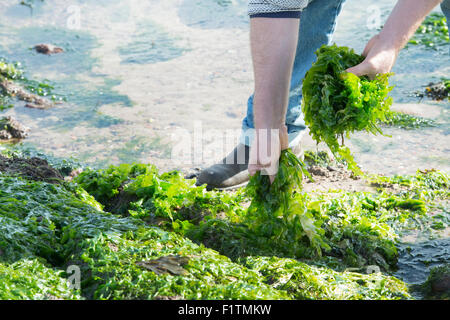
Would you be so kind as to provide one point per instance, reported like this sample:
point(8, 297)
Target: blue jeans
point(317, 24)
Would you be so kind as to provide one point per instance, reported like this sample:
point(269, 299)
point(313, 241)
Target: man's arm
point(382, 50)
point(273, 44)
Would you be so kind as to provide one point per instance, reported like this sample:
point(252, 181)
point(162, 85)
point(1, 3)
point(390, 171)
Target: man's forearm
point(382, 50)
point(273, 44)
point(404, 20)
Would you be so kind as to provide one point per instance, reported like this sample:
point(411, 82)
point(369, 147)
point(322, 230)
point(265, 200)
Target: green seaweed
point(336, 103)
point(320, 158)
point(278, 212)
point(304, 281)
point(432, 33)
point(32, 280)
point(357, 228)
point(162, 216)
point(406, 121)
point(112, 270)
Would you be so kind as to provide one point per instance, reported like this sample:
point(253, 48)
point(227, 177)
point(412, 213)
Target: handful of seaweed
point(278, 211)
point(336, 103)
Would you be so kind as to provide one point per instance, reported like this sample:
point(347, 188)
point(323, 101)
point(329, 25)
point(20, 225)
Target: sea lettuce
point(337, 103)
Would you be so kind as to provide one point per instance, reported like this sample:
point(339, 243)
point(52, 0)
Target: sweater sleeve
point(256, 7)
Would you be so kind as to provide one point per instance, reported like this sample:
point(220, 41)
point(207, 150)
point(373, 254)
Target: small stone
point(318, 171)
point(35, 106)
point(47, 49)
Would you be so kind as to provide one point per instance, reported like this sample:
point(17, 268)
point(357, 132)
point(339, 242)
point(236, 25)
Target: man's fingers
point(252, 169)
point(357, 70)
point(362, 69)
point(272, 178)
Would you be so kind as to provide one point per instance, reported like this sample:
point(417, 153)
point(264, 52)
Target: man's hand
point(266, 150)
point(379, 59)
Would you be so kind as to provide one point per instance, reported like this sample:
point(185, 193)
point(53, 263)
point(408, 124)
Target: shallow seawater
point(416, 259)
point(134, 72)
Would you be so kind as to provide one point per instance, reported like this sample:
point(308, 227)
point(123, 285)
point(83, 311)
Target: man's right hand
point(266, 150)
point(379, 59)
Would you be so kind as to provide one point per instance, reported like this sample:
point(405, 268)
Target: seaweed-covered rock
point(305, 281)
point(437, 286)
point(12, 129)
point(30, 168)
point(438, 90)
point(31, 279)
point(44, 228)
point(32, 100)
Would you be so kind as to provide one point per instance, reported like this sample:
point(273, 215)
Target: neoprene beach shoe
point(230, 174)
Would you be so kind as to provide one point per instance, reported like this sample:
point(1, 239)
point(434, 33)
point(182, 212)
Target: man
point(284, 34)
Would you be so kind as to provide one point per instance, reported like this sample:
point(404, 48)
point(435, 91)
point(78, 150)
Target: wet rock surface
point(12, 129)
point(33, 101)
point(437, 285)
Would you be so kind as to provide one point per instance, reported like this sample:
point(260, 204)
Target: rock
point(437, 285)
point(172, 264)
point(35, 106)
point(318, 171)
point(5, 135)
point(441, 285)
point(47, 49)
point(30, 168)
point(33, 100)
point(168, 298)
point(12, 129)
point(437, 91)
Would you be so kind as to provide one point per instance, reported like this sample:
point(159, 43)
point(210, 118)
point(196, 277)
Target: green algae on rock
point(112, 265)
point(32, 280)
point(11, 129)
point(59, 225)
point(437, 285)
point(360, 228)
point(310, 282)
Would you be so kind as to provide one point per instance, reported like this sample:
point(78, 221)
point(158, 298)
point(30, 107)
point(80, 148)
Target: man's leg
point(317, 24)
